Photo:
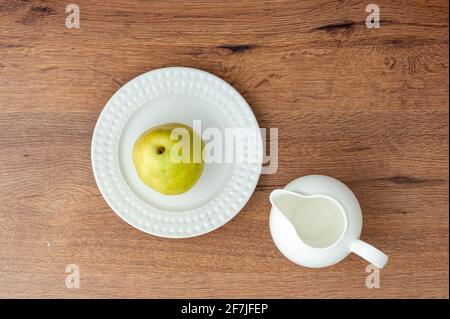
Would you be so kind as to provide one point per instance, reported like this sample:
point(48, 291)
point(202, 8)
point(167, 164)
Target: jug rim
point(317, 195)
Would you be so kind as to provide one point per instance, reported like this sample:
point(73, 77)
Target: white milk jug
point(316, 221)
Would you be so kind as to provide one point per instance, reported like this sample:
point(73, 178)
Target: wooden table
point(367, 106)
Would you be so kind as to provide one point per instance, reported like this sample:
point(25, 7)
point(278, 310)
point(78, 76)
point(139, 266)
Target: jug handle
point(369, 253)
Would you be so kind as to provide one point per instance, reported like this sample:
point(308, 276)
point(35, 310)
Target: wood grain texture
point(368, 106)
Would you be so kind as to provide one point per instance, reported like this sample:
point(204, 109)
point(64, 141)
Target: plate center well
point(180, 108)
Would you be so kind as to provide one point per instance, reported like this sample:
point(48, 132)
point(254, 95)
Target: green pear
point(166, 164)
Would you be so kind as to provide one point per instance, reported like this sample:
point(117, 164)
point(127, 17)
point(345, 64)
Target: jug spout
point(276, 195)
point(283, 200)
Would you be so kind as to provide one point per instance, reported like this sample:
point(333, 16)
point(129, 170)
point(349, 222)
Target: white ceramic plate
point(174, 94)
